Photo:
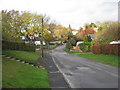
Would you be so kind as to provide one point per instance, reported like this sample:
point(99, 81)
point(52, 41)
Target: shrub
point(85, 47)
point(87, 38)
point(6, 45)
point(72, 41)
point(68, 45)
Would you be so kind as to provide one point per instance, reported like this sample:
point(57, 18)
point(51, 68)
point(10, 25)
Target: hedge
point(85, 47)
point(68, 45)
point(6, 45)
point(112, 49)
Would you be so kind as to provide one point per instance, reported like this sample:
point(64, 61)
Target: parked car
point(115, 42)
point(79, 42)
point(39, 43)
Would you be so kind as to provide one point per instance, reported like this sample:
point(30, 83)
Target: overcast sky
point(65, 12)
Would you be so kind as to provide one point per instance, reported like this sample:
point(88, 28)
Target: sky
point(65, 12)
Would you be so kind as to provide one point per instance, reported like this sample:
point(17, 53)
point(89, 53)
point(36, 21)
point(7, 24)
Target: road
point(83, 73)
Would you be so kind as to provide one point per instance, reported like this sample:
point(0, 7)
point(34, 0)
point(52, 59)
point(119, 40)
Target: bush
point(85, 47)
point(17, 46)
point(87, 38)
point(68, 45)
point(72, 41)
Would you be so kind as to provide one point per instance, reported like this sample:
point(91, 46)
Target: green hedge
point(6, 45)
point(68, 45)
point(85, 47)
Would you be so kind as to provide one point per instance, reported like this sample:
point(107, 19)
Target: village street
point(82, 73)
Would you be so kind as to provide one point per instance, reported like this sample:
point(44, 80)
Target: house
point(74, 31)
point(89, 31)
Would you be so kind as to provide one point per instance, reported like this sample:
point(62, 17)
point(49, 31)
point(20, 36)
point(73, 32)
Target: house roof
point(88, 30)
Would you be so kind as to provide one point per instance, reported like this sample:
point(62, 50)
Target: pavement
point(78, 72)
point(57, 80)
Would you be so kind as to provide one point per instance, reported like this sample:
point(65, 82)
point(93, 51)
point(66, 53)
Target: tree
point(8, 32)
point(61, 32)
point(51, 27)
point(100, 28)
point(105, 25)
point(97, 23)
point(68, 45)
point(81, 28)
point(110, 33)
point(93, 25)
point(86, 25)
point(87, 38)
point(79, 36)
point(47, 35)
point(72, 41)
point(17, 24)
point(70, 30)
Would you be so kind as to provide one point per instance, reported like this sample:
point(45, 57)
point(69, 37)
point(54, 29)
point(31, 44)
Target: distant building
point(89, 31)
point(74, 32)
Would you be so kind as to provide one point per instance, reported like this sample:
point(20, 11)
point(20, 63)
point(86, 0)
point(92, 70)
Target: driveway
point(83, 73)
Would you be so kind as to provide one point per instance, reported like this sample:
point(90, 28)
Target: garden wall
point(6, 45)
point(113, 49)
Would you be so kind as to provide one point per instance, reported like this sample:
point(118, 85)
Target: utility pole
point(42, 38)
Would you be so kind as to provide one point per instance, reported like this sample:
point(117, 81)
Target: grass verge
point(20, 75)
point(23, 55)
point(107, 59)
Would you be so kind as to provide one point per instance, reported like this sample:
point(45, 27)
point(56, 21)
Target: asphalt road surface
point(83, 73)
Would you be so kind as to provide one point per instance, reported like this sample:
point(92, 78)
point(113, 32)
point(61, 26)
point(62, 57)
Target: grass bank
point(107, 59)
point(20, 75)
point(23, 55)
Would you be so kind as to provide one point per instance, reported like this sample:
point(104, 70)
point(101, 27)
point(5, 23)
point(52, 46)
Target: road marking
point(67, 80)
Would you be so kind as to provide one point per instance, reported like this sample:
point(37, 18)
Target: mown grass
point(20, 75)
point(107, 59)
point(23, 55)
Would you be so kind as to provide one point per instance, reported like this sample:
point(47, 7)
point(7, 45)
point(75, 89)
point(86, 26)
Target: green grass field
point(20, 75)
point(23, 55)
point(107, 59)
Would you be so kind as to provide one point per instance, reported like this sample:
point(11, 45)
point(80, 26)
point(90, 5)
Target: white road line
point(67, 80)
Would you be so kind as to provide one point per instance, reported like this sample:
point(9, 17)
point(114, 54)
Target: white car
point(39, 43)
point(79, 43)
point(115, 42)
